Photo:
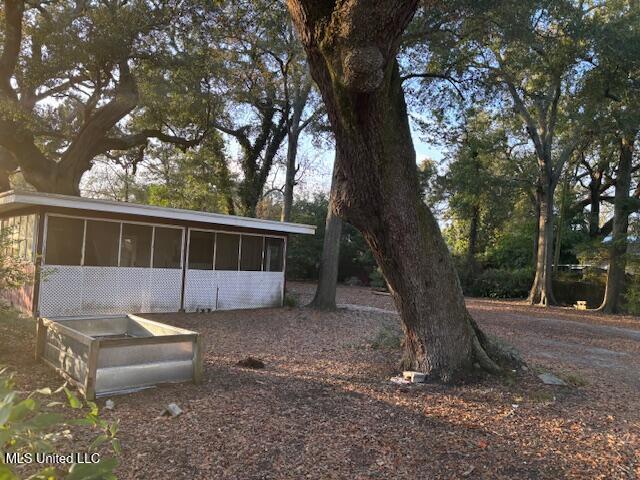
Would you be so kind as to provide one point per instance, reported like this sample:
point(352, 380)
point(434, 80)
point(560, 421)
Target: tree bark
point(473, 240)
point(295, 129)
point(594, 206)
point(325, 297)
point(536, 232)
point(541, 292)
point(562, 218)
point(352, 49)
point(617, 252)
point(290, 178)
point(7, 167)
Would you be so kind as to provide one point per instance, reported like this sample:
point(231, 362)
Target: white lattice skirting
point(229, 290)
point(72, 290)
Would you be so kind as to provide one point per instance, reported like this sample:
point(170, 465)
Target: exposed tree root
point(493, 354)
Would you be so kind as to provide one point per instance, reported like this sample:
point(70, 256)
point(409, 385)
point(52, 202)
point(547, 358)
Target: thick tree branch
point(13, 11)
point(86, 144)
point(140, 139)
point(441, 76)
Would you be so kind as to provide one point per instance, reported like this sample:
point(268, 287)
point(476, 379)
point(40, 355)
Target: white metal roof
point(13, 200)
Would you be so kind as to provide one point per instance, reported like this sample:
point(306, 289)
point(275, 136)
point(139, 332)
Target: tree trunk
point(325, 297)
point(5, 183)
point(594, 210)
point(617, 252)
point(541, 292)
point(55, 181)
point(536, 231)
point(290, 179)
point(561, 221)
point(231, 208)
point(293, 136)
point(352, 49)
point(7, 167)
point(473, 240)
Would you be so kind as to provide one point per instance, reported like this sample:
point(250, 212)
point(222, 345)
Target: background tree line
point(203, 105)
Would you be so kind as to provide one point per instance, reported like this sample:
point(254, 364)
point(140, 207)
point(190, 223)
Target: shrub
point(376, 279)
point(290, 300)
point(496, 283)
point(28, 428)
point(14, 271)
point(632, 296)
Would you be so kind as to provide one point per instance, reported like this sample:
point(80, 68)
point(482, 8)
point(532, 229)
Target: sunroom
point(94, 257)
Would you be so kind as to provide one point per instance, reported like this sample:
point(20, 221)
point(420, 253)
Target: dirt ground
point(324, 408)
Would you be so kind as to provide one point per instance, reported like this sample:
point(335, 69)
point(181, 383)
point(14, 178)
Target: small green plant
point(290, 300)
point(541, 396)
point(575, 379)
point(28, 428)
point(387, 338)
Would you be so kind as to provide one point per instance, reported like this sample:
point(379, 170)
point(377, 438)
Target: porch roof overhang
point(16, 200)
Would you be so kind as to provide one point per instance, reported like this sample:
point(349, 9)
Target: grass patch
point(574, 379)
point(14, 322)
point(387, 338)
point(541, 396)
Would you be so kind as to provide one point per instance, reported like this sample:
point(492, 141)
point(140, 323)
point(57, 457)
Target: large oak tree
point(351, 48)
point(71, 81)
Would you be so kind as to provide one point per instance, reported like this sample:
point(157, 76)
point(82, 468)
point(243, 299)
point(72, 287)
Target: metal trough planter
point(110, 355)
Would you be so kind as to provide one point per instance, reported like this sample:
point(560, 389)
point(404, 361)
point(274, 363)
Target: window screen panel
point(64, 241)
point(251, 255)
point(201, 250)
point(273, 254)
point(167, 247)
point(135, 249)
point(101, 244)
point(227, 246)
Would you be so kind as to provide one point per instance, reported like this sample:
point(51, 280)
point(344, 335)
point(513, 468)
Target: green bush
point(290, 300)
point(14, 271)
point(632, 299)
point(497, 283)
point(26, 427)
point(376, 279)
point(304, 251)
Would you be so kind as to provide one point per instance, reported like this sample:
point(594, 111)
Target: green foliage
point(494, 283)
point(304, 251)
point(290, 301)
point(376, 279)
point(29, 426)
point(195, 180)
point(632, 293)
point(632, 297)
point(512, 246)
point(14, 271)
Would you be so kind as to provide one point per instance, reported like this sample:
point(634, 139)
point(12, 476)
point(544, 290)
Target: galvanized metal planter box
point(108, 355)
